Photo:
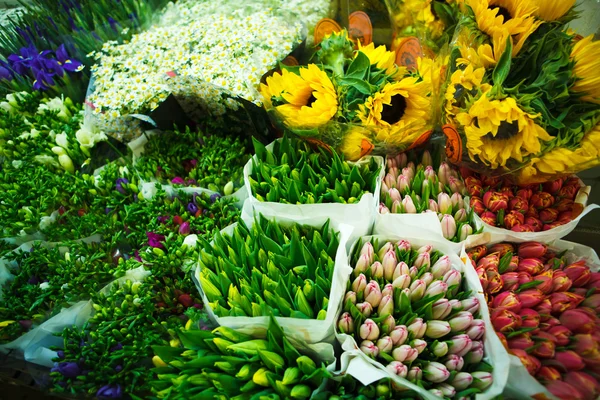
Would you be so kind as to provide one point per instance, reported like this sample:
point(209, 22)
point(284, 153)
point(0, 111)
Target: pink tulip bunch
point(407, 308)
point(545, 310)
point(410, 189)
point(530, 208)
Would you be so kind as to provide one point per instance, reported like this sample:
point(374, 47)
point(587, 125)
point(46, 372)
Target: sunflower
point(498, 130)
point(462, 82)
point(307, 100)
point(562, 161)
point(380, 57)
point(398, 104)
point(356, 143)
point(587, 69)
point(552, 10)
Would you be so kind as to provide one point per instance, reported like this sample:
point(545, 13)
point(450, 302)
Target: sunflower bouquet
point(522, 97)
point(356, 101)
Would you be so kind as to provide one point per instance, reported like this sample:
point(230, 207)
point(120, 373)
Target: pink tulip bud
point(452, 278)
point(400, 269)
point(401, 282)
point(385, 344)
point(425, 249)
point(448, 227)
point(478, 206)
point(415, 374)
point(383, 209)
point(510, 281)
point(508, 300)
point(346, 323)
point(396, 207)
point(388, 290)
point(564, 391)
point(454, 362)
point(349, 296)
point(386, 306)
point(457, 202)
point(548, 374)
point(366, 309)
point(394, 195)
point(578, 273)
point(462, 380)
point(530, 318)
point(461, 321)
point(461, 216)
point(359, 284)
point(441, 267)
point(376, 270)
point(471, 305)
point(437, 329)
point(369, 330)
point(389, 264)
point(456, 305)
point(403, 245)
point(391, 163)
point(505, 320)
point(384, 189)
point(390, 180)
point(408, 206)
point(446, 389)
point(530, 298)
point(418, 344)
point(417, 290)
point(417, 328)
point(403, 183)
point(369, 348)
point(569, 360)
point(532, 266)
point(440, 349)
point(404, 353)
point(436, 372)
point(433, 206)
point(561, 333)
point(456, 185)
point(476, 354)
point(436, 288)
point(444, 173)
point(577, 321)
point(427, 277)
point(373, 293)
point(362, 264)
point(413, 272)
point(444, 203)
point(409, 173)
point(399, 335)
point(441, 309)
point(563, 301)
point(482, 380)
point(460, 345)
point(369, 251)
point(387, 325)
point(397, 368)
point(430, 173)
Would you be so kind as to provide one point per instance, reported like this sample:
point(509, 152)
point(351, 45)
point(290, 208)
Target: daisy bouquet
point(522, 98)
point(357, 101)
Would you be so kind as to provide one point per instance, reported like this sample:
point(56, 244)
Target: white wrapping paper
point(303, 330)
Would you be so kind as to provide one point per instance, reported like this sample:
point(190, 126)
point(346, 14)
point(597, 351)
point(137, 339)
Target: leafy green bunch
point(295, 173)
point(269, 268)
point(225, 363)
point(195, 158)
point(350, 388)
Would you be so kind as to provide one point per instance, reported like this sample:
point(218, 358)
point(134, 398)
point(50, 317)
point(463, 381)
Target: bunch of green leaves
point(350, 388)
point(225, 363)
point(47, 279)
point(209, 160)
point(269, 268)
point(294, 173)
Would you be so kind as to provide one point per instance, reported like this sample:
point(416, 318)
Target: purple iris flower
point(119, 185)
point(68, 369)
point(65, 61)
point(192, 208)
point(109, 392)
point(155, 239)
point(5, 71)
point(214, 197)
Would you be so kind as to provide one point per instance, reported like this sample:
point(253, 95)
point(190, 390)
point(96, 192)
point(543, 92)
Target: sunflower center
point(393, 112)
point(506, 130)
point(504, 12)
point(311, 100)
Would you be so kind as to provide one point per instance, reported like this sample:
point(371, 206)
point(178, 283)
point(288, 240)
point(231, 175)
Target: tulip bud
point(477, 205)
point(389, 264)
point(548, 374)
point(441, 309)
point(518, 204)
point(388, 324)
point(397, 368)
point(408, 206)
point(373, 293)
point(388, 290)
point(593, 302)
point(549, 215)
point(531, 363)
point(444, 203)
point(482, 380)
point(436, 288)
point(386, 306)
point(369, 348)
point(440, 268)
point(385, 344)
point(505, 320)
point(369, 330)
point(359, 285)
point(384, 249)
point(490, 261)
point(444, 172)
point(362, 264)
point(465, 231)
point(577, 321)
point(454, 362)
point(488, 217)
point(456, 185)
point(563, 301)
point(530, 318)
point(369, 251)
point(532, 266)
point(409, 172)
point(415, 374)
point(436, 372)
point(448, 227)
point(403, 245)
point(440, 349)
point(446, 389)
point(394, 195)
point(399, 335)
point(513, 219)
point(403, 184)
point(390, 180)
point(508, 300)
point(561, 334)
point(510, 281)
point(400, 269)
point(376, 270)
point(569, 360)
point(429, 174)
point(460, 345)
point(461, 321)
point(366, 309)
point(579, 273)
point(462, 380)
point(404, 353)
point(433, 206)
point(437, 329)
point(349, 296)
point(586, 384)
point(457, 202)
point(565, 391)
point(471, 305)
point(476, 354)
point(544, 349)
point(383, 209)
point(452, 278)
point(401, 282)
point(427, 277)
point(417, 290)
point(413, 272)
point(456, 305)
point(495, 201)
point(417, 328)
point(522, 342)
point(346, 323)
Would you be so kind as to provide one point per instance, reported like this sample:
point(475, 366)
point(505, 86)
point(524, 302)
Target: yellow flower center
point(393, 112)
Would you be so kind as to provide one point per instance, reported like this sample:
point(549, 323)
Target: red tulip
point(521, 342)
point(502, 249)
point(508, 191)
point(577, 321)
point(546, 279)
point(564, 391)
point(502, 339)
point(534, 223)
point(542, 200)
point(488, 217)
point(477, 205)
point(523, 228)
point(553, 225)
point(532, 250)
point(561, 333)
point(585, 384)
point(560, 281)
point(580, 291)
point(490, 181)
point(494, 281)
point(495, 201)
point(510, 281)
point(594, 281)
point(593, 302)
point(532, 212)
point(545, 349)
point(548, 374)
point(482, 278)
point(490, 261)
point(477, 252)
point(563, 301)
point(569, 360)
point(579, 273)
point(586, 345)
point(564, 205)
point(532, 266)
point(474, 186)
point(513, 218)
point(524, 193)
point(553, 186)
point(518, 204)
point(505, 320)
point(530, 318)
point(549, 215)
point(548, 322)
point(565, 216)
point(530, 362)
point(544, 308)
point(569, 191)
point(508, 300)
point(524, 277)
